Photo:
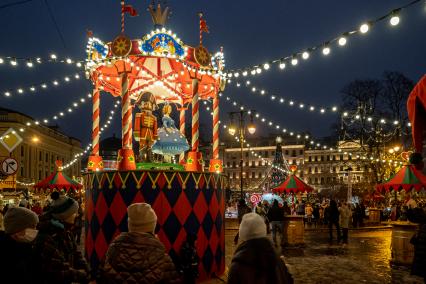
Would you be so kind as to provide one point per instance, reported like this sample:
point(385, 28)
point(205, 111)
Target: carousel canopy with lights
point(158, 62)
point(406, 178)
point(293, 184)
point(58, 180)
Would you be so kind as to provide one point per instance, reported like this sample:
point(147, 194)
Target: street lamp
point(251, 128)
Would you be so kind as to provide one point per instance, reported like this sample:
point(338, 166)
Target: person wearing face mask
point(56, 249)
point(16, 246)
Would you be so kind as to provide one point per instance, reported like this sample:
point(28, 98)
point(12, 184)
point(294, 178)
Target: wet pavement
point(366, 259)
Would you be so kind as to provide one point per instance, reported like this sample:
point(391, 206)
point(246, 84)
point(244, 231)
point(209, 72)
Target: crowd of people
point(41, 246)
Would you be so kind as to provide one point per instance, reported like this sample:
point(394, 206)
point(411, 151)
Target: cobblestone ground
point(366, 259)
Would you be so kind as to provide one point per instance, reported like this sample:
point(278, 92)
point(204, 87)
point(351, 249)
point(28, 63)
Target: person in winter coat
point(418, 215)
point(138, 256)
point(345, 217)
point(255, 260)
point(316, 214)
point(276, 217)
point(308, 212)
point(17, 262)
point(242, 210)
point(59, 260)
point(332, 215)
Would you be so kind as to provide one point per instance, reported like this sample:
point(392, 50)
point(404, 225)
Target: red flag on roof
point(130, 10)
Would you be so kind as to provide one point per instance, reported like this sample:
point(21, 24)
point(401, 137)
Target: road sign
point(10, 139)
point(9, 166)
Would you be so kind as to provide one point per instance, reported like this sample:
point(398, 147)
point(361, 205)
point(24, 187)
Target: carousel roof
point(158, 62)
point(58, 180)
point(293, 184)
point(406, 178)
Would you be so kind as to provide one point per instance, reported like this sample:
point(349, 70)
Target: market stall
point(294, 224)
point(58, 180)
point(408, 180)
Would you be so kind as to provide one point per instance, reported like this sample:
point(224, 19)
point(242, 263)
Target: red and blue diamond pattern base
point(185, 202)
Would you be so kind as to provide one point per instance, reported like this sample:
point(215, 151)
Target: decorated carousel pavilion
point(157, 70)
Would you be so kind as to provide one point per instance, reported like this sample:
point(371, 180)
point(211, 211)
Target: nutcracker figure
point(145, 129)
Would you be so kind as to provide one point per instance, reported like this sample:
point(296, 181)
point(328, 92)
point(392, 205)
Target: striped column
point(216, 127)
point(95, 122)
point(182, 130)
point(195, 116)
point(126, 113)
point(122, 16)
point(201, 31)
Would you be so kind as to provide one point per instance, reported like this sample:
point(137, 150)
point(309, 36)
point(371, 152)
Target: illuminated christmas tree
point(279, 168)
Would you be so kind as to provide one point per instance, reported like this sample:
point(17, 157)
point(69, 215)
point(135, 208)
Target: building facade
point(41, 146)
point(320, 168)
point(255, 167)
point(330, 169)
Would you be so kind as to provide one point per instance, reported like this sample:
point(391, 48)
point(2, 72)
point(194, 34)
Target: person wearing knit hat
point(58, 256)
point(255, 260)
point(138, 256)
point(64, 208)
point(16, 245)
point(18, 222)
point(141, 218)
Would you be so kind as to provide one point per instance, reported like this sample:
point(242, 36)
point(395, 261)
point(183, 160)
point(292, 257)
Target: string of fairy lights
point(249, 148)
point(293, 103)
point(312, 142)
point(294, 59)
point(77, 157)
point(31, 62)
point(87, 149)
point(34, 88)
point(325, 47)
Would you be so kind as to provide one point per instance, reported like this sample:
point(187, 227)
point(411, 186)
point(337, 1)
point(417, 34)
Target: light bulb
point(282, 65)
point(294, 62)
point(394, 21)
point(364, 28)
point(326, 51)
point(266, 66)
point(342, 41)
point(305, 55)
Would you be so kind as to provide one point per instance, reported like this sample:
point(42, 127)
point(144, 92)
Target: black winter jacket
point(276, 213)
point(255, 262)
point(16, 261)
